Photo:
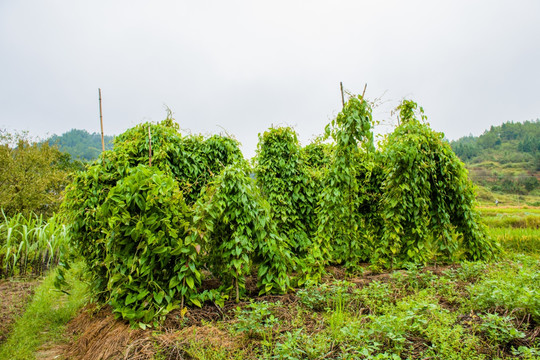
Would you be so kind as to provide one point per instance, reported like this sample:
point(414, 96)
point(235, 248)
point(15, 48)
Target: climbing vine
point(427, 200)
point(291, 188)
point(131, 223)
point(342, 225)
point(151, 262)
point(234, 222)
point(147, 223)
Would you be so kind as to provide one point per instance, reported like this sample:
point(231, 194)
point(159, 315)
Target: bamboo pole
point(101, 121)
point(237, 288)
point(149, 147)
point(342, 96)
point(364, 92)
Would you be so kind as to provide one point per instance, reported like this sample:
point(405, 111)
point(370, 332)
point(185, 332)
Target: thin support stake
point(342, 96)
point(149, 147)
point(364, 92)
point(101, 121)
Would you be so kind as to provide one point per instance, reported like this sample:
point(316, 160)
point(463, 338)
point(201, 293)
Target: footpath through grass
point(45, 318)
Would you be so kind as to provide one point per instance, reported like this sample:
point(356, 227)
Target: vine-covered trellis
point(147, 230)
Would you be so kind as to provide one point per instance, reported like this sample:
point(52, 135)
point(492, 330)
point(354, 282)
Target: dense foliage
point(427, 200)
point(130, 221)
point(32, 175)
point(344, 219)
point(81, 144)
point(148, 216)
point(145, 238)
point(526, 135)
point(150, 260)
point(233, 220)
point(291, 187)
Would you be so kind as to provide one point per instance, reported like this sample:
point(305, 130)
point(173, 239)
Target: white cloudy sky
point(245, 65)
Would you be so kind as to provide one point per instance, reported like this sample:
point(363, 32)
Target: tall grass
point(516, 229)
point(502, 210)
point(30, 245)
point(524, 241)
point(513, 221)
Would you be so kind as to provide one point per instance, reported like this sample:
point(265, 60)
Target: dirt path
point(14, 297)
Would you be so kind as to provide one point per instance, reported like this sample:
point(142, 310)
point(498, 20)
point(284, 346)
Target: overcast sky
point(241, 66)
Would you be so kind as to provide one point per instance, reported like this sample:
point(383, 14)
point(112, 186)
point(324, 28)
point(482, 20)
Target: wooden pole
point(342, 96)
point(149, 147)
point(101, 121)
point(364, 92)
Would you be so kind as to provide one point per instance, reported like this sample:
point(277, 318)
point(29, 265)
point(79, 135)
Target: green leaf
point(174, 282)
point(190, 282)
point(159, 296)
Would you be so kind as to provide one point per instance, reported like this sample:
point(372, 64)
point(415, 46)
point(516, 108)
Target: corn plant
point(30, 245)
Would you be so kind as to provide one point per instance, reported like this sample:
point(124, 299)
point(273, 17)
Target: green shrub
point(426, 197)
point(131, 223)
point(234, 222)
point(151, 260)
point(347, 211)
point(291, 188)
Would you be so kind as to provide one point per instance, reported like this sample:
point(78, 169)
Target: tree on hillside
point(32, 175)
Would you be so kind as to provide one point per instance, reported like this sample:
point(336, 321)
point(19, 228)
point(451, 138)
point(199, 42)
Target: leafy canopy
point(32, 175)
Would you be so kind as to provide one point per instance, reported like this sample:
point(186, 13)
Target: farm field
point(256, 181)
point(174, 246)
point(471, 310)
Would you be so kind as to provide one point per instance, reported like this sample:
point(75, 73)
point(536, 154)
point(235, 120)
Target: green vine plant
point(146, 224)
point(234, 222)
point(108, 207)
point(341, 214)
point(151, 261)
point(427, 200)
point(291, 188)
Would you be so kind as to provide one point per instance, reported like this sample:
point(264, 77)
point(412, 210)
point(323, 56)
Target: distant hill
point(80, 144)
point(504, 159)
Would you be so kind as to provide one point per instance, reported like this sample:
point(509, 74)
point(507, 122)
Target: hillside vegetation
point(80, 144)
point(504, 159)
